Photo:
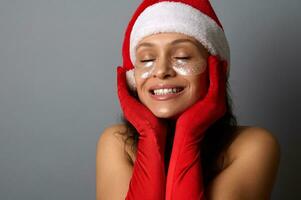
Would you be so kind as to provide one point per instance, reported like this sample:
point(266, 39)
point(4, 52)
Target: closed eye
point(182, 58)
point(147, 60)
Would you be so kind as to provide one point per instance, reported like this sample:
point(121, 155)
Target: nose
point(163, 69)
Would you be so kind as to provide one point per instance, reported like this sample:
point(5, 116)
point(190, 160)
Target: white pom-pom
point(131, 79)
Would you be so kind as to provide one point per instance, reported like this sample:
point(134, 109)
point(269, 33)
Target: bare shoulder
point(113, 169)
point(254, 157)
point(116, 135)
point(115, 131)
point(253, 138)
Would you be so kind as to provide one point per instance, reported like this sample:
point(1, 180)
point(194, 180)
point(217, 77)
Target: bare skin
point(249, 171)
point(163, 53)
point(251, 161)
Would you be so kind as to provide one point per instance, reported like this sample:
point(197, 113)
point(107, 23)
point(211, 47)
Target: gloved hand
point(184, 178)
point(149, 179)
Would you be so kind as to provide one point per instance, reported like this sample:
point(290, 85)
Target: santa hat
point(195, 18)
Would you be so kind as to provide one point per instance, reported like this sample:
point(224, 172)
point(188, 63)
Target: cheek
point(201, 85)
point(138, 80)
point(139, 85)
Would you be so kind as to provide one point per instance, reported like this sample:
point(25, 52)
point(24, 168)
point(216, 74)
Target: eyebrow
point(147, 44)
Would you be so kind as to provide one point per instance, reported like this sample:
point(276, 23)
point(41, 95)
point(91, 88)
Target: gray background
point(57, 87)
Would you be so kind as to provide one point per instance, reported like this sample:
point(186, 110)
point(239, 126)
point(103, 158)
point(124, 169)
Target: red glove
point(149, 179)
point(184, 178)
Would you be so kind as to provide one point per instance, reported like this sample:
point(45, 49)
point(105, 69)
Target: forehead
point(168, 39)
point(168, 35)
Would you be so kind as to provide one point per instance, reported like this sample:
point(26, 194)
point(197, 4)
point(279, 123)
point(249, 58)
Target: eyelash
point(146, 61)
point(181, 58)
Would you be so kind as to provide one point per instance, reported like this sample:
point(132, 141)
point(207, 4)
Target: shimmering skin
point(181, 66)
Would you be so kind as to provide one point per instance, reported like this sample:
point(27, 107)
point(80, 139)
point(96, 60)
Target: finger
point(125, 99)
point(225, 68)
point(128, 103)
point(215, 69)
point(121, 83)
point(223, 78)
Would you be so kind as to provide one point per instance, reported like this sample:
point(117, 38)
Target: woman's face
point(170, 73)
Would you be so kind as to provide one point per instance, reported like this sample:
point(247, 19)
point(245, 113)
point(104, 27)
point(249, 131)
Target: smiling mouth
point(166, 91)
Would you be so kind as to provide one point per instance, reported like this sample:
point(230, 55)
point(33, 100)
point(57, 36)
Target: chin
point(166, 113)
point(163, 115)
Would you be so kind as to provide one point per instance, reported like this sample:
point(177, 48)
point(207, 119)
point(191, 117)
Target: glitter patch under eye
point(145, 75)
point(184, 68)
point(146, 69)
point(149, 64)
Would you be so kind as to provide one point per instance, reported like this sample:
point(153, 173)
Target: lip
point(166, 96)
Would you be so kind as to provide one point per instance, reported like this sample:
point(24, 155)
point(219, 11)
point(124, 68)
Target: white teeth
point(166, 91)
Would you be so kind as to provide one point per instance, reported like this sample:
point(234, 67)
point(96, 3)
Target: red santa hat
point(195, 18)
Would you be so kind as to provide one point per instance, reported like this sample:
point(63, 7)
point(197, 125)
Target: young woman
point(179, 138)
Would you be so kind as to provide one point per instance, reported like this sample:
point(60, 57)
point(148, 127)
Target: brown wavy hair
point(217, 139)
